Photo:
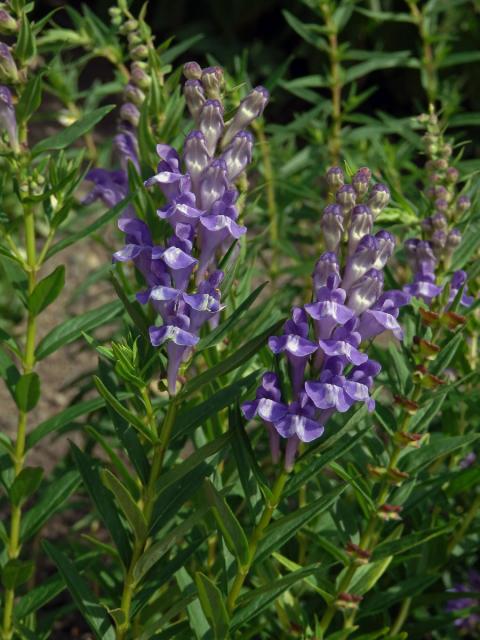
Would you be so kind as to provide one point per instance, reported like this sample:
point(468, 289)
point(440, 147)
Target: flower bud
point(192, 71)
point(361, 180)
point(365, 291)
point(361, 261)
point(325, 267)
point(129, 113)
point(8, 119)
point(8, 24)
point(379, 198)
point(134, 39)
point(346, 196)
point(438, 241)
point(463, 204)
point(238, 154)
point(213, 183)
point(139, 76)
point(140, 52)
point(8, 68)
point(194, 97)
point(131, 93)
point(446, 150)
point(361, 224)
point(195, 155)
point(441, 164)
point(454, 238)
point(335, 178)
point(441, 204)
point(386, 245)
point(332, 226)
point(211, 123)
point(439, 221)
point(131, 25)
point(250, 108)
point(452, 175)
point(213, 82)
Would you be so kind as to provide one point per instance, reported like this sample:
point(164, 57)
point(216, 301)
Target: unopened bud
point(213, 82)
point(134, 94)
point(8, 24)
point(194, 97)
point(250, 108)
point(335, 178)
point(238, 154)
point(139, 76)
point(131, 25)
point(192, 71)
point(211, 123)
point(140, 52)
point(439, 221)
point(379, 198)
point(360, 181)
point(361, 224)
point(452, 174)
point(129, 113)
point(463, 204)
point(332, 226)
point(8, 68)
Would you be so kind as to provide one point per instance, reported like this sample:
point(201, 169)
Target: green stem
point(18, 458)
point(255, 538)
point(401, 617)
point(467, 521)
point(428, 56)
point(335, 83)
point(148, 504)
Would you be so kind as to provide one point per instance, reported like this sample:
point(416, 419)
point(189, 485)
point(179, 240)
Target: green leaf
point(46, 291)
point(467, 248)
point(30, 99)
point(217, 334)
point(117, 406)
point(25, 484)
point(26, 46)
point(38, 597)
point(16, 572)
point(306, 31)
point(93, 612)
point(127, 504)
point(254, 603)
point(157, 550)
point(378, 61)
point(103, 501)
point(192, 417)
point(65, 138)
point(384, 599)
point(231, 529)
point(213, 605)
point(232, 362)
point(447, 354)
point(90, 229)
point(27, 391)
point(280, 531)
point(440, 446)
point(51, 501)
point(397, 547)
point(8, 372)
point(71, 329)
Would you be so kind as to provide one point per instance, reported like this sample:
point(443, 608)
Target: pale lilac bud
point(335, 178)
point(346, 196)
point(332, 226)
point(195, 155)
point(213, 183)
point(361, 224)
point(326, 267)
point(250, 108)
point(447, 150)
point(213, 82)
point(211, 123)
point(8, 68)
point(238, 154)
point(386, 245)
point(361, 180)
point(8, 120)
point(463, 203)
point(140, 52)
point(194, 97)
point(454, 238)
point(130, 113)
point(366, 291)
point(139, 76)
point(440, 164)
point(361, 261)
point(8, 24)
point(439, 221)
point(441, 204)
point(133, 94)
point(452, 174)
point(192, 71)
point(427, 224)
point(440, 191)
point(438, 241)
point(379, 198)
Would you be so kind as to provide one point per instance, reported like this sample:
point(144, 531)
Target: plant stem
point(148, 503)
point(428, 57)
point(255, 538)
point(401, 617)
point(18, 459)
point(334, 142)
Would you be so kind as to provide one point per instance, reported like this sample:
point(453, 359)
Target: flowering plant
point(267, 379)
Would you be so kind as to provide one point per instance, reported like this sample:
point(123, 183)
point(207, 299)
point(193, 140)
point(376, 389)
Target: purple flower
point(251, 107)
point(459, 279)
point(8, 120)
point(332, 226)
point(382, 316)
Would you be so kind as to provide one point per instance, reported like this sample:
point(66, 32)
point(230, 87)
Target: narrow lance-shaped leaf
point(213, 605)
point(127, 504)
point(46, 291)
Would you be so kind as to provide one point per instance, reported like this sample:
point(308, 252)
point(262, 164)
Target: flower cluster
point(439, 237)
point(322, 341)
point(201, 210)
point(9, 74)
point(469, 623)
